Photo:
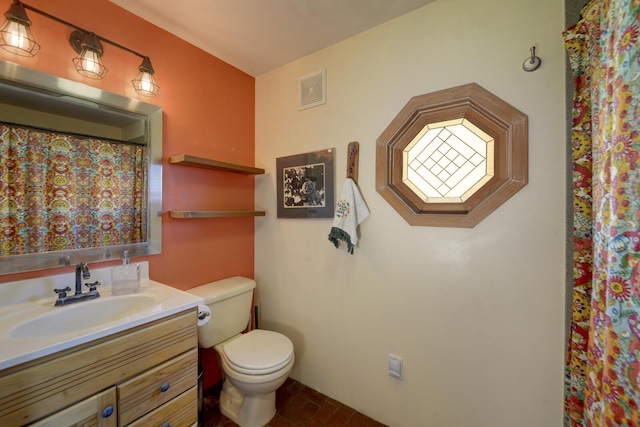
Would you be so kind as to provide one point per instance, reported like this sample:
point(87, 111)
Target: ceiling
point(257, 36)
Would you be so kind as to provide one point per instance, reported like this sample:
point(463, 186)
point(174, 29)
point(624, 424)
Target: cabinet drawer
point(98, 410)
point(157, 386)
point(179, 412)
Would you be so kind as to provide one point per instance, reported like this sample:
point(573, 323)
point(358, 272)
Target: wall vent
point(312, 90)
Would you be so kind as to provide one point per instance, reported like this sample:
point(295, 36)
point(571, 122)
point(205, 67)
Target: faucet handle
point(92, 286)
point(62, 293)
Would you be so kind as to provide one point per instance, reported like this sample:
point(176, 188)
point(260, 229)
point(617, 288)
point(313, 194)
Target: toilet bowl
point(254, 364)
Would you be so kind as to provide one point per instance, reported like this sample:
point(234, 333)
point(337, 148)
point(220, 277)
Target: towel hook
point(353, 160)
point(533, 62)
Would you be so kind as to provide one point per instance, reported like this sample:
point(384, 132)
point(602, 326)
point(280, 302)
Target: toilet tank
point(230, 303)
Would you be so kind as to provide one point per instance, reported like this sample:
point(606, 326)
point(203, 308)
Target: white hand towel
point(351, 210)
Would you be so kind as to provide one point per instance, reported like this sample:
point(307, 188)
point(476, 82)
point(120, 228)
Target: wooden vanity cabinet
point(145, 374)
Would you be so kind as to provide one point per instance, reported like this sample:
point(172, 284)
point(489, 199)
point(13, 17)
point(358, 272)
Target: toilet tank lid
point(223, 289)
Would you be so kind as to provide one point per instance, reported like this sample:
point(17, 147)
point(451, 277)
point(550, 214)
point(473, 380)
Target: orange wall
point(208, 111)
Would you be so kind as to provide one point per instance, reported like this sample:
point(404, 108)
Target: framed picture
point(305, 185)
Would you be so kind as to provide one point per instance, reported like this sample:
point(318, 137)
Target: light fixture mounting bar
point(69, 24)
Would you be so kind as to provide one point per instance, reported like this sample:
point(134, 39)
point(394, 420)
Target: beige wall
point(477, 314)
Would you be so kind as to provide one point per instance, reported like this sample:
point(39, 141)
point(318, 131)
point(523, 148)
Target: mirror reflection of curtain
point(61, 191)
point(602, 386)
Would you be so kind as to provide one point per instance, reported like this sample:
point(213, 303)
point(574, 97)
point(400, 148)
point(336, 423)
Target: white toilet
point(255, 364)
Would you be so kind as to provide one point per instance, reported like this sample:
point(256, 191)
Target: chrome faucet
point(82, 272)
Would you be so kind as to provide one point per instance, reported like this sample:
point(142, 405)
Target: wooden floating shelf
point(214, 214)
point(201, 162)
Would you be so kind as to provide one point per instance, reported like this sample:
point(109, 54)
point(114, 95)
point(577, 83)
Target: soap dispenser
point(125, 278)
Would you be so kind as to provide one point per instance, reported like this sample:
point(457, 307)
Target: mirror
point(32, 98)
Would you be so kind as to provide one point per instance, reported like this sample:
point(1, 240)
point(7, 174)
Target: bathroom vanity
point(137, 370)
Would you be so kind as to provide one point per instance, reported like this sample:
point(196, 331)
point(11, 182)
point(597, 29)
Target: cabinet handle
point(107, 412)
point(164, 387)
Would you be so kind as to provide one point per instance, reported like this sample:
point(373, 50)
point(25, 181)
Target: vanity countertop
point(32, 327)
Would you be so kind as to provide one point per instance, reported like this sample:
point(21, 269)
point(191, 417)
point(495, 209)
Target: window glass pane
point(447, 160)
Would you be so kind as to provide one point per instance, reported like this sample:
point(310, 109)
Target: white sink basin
point(31, 326)
point(84, 315)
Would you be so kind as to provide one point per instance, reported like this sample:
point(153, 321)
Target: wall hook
point(353, 158)
point(533, 62)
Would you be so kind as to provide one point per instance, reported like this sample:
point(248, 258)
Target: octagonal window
point(451, 157)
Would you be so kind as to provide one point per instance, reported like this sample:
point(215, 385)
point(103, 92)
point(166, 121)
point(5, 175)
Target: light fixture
point(89, 50)
point(144, 83)
point(16, 37)
point(15, 34)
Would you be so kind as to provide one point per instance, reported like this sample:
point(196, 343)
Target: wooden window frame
point(501, 121)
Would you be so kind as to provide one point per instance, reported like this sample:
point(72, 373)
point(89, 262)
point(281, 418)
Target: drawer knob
point(166, 425)
point(164, 387)
point(107, 412)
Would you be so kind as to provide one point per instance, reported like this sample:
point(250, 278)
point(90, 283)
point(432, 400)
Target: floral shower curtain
point(62, 192)
point(602, 385)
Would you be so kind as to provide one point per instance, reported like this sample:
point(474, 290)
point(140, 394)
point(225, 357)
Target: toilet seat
point(258, 352)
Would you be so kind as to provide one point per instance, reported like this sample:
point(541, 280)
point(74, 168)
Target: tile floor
point(296, 406)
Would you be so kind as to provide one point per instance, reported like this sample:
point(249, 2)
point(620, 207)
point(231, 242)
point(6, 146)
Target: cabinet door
point(98, 410)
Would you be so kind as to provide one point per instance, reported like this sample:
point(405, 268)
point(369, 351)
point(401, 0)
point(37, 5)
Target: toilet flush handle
point(203, 315)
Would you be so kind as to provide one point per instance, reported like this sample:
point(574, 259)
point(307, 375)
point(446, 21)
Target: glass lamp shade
point(88, 62)
point(144, 83)
point(15, 34)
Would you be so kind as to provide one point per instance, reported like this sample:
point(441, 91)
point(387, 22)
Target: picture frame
point(305, 185)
